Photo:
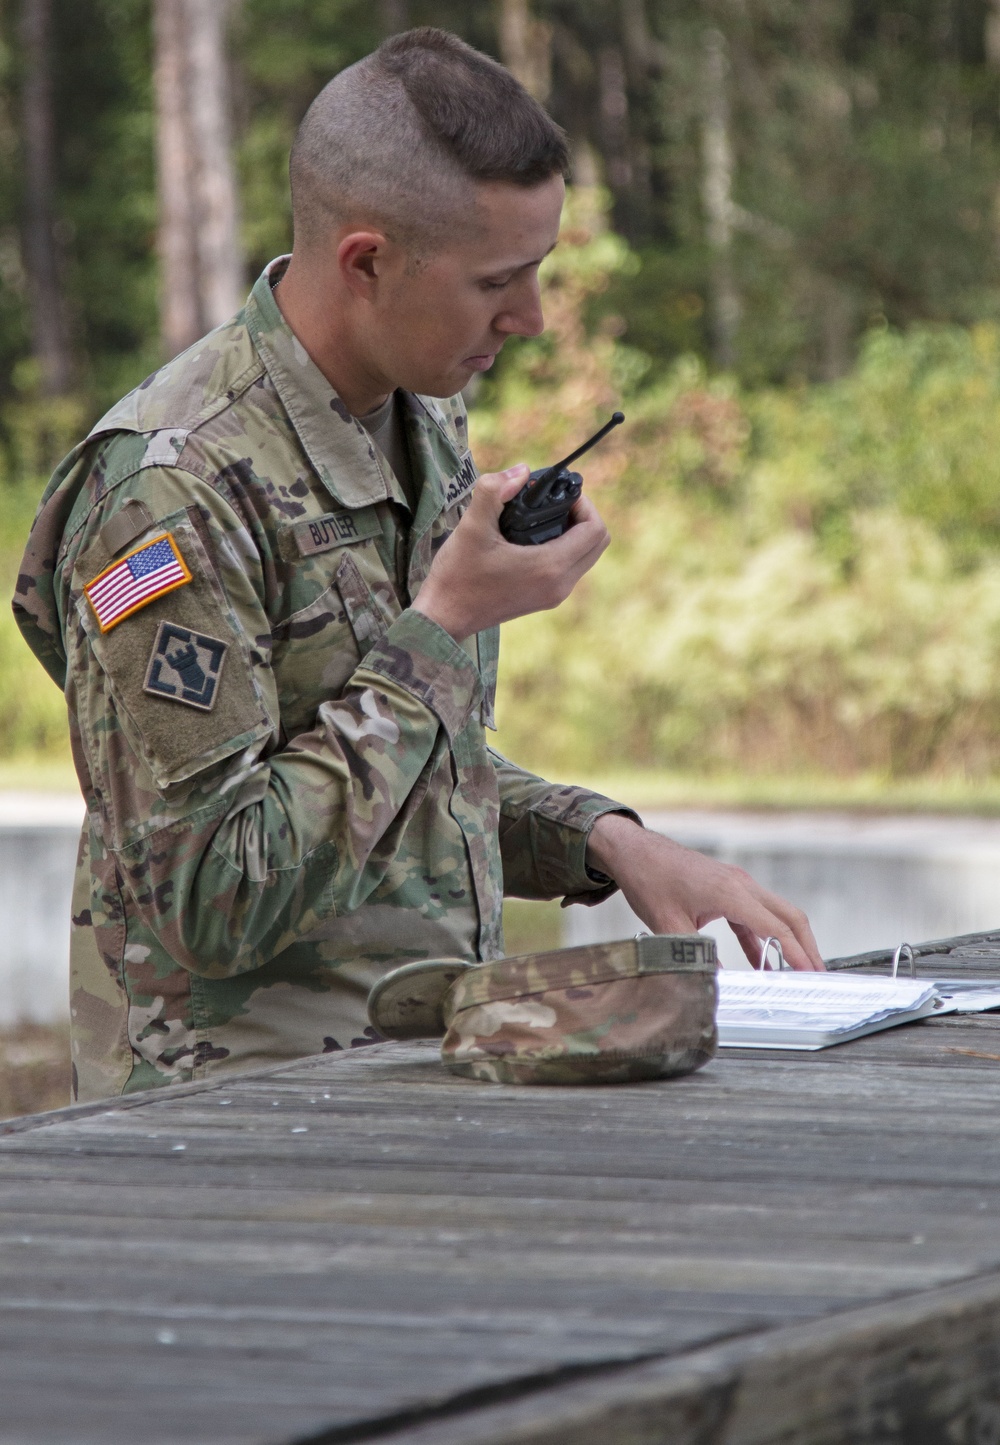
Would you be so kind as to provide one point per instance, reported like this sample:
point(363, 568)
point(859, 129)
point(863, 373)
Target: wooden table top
point(362, 1247)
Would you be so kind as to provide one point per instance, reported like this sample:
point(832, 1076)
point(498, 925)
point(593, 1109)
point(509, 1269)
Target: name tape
point(336, 529)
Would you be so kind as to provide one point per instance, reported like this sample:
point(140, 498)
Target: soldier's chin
point(445, 386)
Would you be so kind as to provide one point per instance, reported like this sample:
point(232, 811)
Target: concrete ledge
point(39, 837)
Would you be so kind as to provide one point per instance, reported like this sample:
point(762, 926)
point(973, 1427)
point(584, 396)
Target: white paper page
point(970, 995)
point(819, 1002)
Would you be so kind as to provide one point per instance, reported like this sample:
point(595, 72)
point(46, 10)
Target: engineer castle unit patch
point(185, 666)
point(151, 571)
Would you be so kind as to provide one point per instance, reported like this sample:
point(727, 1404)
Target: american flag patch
point(151, 571)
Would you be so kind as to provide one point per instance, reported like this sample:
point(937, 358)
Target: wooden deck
point(360, 1247)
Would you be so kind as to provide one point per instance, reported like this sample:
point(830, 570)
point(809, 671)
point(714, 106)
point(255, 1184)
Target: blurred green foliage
point(801, 579)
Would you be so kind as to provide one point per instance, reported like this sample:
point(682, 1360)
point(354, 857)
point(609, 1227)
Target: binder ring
point(765, 952)
point(904, 949)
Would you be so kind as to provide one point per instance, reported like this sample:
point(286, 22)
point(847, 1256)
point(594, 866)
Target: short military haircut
point(400, 138)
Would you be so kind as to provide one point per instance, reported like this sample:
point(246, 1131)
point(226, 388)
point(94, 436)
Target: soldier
point(270, 583)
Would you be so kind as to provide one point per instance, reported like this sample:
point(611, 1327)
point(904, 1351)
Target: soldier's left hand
point(674, 889)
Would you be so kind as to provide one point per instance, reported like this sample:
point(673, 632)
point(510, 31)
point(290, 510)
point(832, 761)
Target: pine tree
point(202, 280)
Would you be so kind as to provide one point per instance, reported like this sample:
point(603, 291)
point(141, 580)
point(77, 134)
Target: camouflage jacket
point(285, 768)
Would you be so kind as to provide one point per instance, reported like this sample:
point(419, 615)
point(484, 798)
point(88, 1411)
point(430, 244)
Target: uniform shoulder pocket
point(174, 653)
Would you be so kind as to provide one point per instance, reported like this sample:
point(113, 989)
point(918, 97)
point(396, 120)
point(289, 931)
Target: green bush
point(915, 426)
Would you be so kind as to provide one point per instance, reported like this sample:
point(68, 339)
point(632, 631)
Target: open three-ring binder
point(775, 1008)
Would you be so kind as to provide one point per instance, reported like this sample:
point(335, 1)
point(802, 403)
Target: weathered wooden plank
point(345, 1240)
point(919, 1371)
point(878, 956)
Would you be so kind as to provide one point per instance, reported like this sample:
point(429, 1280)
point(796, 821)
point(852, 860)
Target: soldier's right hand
point(478, 579)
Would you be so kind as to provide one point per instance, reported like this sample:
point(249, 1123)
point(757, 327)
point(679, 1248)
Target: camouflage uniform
point(287, 781)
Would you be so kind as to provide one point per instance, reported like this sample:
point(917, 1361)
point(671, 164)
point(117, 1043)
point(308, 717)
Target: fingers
point(587, 538)
point(568, 556)
point(478, 579)
point(749, 942)
point(674, 889)
point(581, 509)
point(753, 914)
point(758, 922)
point(583, 515)
point(493, 490)
point(802, 951)
point(760, 914)
point(497, 488)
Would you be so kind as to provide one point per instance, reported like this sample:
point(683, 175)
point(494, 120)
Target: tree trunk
point(202, 281)
point(991, 34)
point(717, 183)
point(836, 327)
point(644, 53)
point(180, 302)
point(526, 47)
point(220, 265)
point(49, 332)
point(613, 94)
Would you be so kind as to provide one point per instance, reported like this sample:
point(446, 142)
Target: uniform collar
point(337, 445)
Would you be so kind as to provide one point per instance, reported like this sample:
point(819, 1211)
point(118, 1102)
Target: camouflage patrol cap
point(641, 1008)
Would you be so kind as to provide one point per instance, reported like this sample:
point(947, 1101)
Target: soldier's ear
point(361, 258)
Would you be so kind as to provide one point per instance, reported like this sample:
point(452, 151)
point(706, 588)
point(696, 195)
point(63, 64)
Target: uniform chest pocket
point(316, 650)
